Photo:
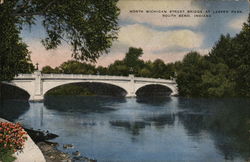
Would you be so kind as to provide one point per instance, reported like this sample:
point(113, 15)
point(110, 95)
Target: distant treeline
point(131, 64)
point(224, 72)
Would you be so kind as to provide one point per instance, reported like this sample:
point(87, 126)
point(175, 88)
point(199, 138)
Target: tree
point(189, 77)
point(14, 56)
point(242, 58)
point(48, 70)
point(159, 69)
point(132, 60)
point(217, 82)
point(118, 68)
point(75, 67)
point(89, 27)
point(102, 70)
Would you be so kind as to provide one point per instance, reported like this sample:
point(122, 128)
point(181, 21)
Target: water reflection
point(153, 101)
point(162, 120)
point(132, 126)
point(164, 129)
point(82, 104)
point(12, 109)
point(226, 120)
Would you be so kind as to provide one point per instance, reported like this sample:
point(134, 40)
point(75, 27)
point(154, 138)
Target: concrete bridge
point(38, 84)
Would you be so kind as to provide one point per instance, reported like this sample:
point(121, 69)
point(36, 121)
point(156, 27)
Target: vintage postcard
point(124, 80)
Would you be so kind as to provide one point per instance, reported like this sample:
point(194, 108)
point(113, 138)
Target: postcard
point(124, 80)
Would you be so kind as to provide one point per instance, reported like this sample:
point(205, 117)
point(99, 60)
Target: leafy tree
point(75, 67)
point(118, 68)
point(242, 58)
point(102, 70)
point(189, 77)
point(216, 81)
point(145, 72)
point(88, 26)
point(158, 69)
point(50, 70)
point(132, 60)
point(14, 56)
point(222, 52)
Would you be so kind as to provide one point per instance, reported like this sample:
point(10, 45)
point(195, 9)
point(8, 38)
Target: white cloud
point(237, 23)
point(154, 40)
point(156, 18)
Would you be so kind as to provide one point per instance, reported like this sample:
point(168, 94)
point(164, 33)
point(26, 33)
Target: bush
point(12, 138)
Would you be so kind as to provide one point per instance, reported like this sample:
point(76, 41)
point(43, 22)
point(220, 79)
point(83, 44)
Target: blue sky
point(167, 38)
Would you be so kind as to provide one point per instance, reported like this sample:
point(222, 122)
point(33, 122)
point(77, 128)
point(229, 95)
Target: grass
point(7, 156)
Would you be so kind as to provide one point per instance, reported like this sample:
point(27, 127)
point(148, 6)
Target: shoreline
point(49, 149)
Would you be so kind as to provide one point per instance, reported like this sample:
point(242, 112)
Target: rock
point(77, 153)
point(66, 146)
point(40, 136)
point(80, 158)
point(66, 160)
point(89, 160)
point(52, 157)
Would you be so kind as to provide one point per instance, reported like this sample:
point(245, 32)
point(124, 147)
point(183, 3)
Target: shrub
point(12, 138)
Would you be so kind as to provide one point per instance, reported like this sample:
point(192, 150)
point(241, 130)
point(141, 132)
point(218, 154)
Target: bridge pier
point(38, 88)
point(36, 98)
point(131, 86)
point(130, 95)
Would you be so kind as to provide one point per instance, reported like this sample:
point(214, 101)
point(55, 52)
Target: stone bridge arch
point(172, 87)
point(51, 85)
point(20, 86)
point(16, 91)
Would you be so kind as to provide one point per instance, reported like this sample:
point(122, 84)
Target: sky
point(157, 32)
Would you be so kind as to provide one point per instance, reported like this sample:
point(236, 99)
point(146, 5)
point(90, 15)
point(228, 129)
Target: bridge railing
point(82, 76)
point(28, 76)
point(157, 80)
point(96, 77)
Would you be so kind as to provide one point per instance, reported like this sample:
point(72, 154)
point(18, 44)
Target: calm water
point(160, 129)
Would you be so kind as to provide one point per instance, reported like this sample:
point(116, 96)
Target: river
point(145, 129)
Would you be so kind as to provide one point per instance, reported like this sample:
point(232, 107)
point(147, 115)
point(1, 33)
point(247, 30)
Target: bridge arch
point(48, 86)
point(26, 91)
point(171, 87)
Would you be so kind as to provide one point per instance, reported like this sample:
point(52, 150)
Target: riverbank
point(49, 149)
point(38, 149)
point(30, 152)
point(52, 154)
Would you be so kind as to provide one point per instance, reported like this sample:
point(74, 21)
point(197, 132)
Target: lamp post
point(37, 66)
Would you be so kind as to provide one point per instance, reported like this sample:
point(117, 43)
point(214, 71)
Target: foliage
point(12, 138)
point(88, 26)
point(189, 77)
point(131, 64)
point(14, 56)
point(224, 72)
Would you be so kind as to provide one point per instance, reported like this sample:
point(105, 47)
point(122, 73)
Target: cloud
point(169, 45)
point(237, 23)
point(156, 18)
point(153, 40)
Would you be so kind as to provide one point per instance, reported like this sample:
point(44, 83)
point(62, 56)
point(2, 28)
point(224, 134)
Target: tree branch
point(34, 13)
point(25, 5)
